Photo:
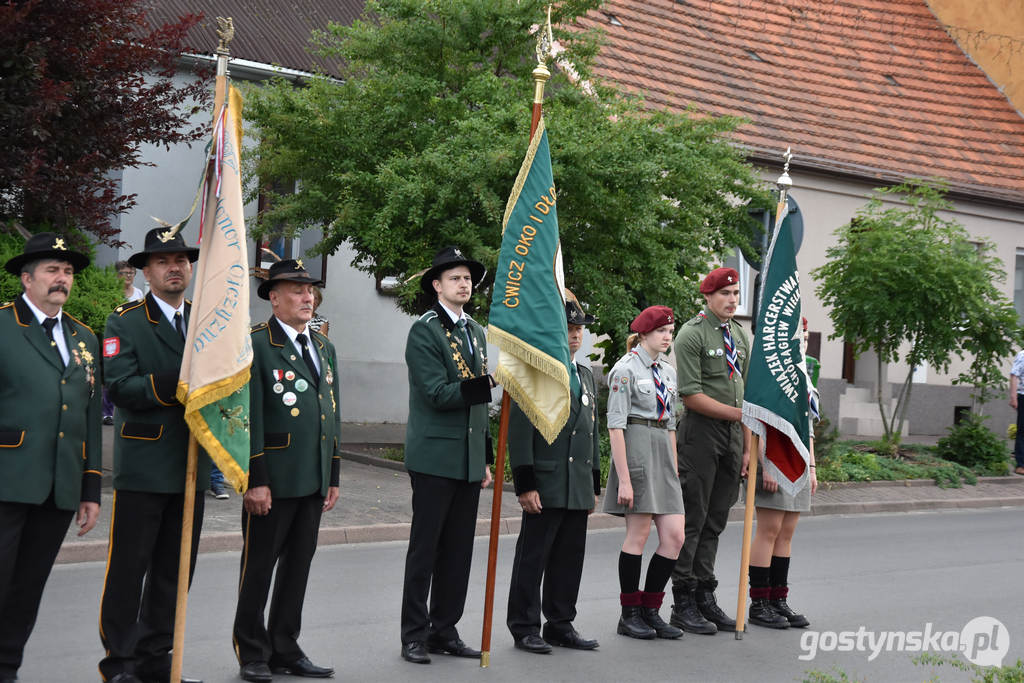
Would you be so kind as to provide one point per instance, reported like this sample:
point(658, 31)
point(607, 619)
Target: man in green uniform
point(558, 485)
point(446, 454)
point(294, 470)
point(142, 349)
point(50, 416)
point(712, 354)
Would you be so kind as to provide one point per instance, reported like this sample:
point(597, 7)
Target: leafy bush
point(851, 461)
point(94, 294)
point(972, 444)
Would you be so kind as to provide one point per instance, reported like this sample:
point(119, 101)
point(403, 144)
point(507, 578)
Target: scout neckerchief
point(731, 358)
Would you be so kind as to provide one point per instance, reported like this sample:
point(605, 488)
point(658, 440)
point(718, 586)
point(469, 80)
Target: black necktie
point(465, 333)
point(304, 343)
point(179, 324)
point(49, 324)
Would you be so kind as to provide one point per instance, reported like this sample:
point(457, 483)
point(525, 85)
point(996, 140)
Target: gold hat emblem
point(298, 265)
point(166, 236)
point(458, 254)
point(59, 244)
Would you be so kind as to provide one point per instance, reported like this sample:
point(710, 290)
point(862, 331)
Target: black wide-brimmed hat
point(161, 241)
point(446, 259)
point(46, 245)
point(574, 313)
point(288, 270)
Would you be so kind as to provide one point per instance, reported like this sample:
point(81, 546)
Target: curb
point(95, 551)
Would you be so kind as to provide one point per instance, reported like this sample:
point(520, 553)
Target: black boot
point(708, 607)
point(778, 603)
point(686, 616)
point(651, 603)
point(632, 623)
point(761, 612)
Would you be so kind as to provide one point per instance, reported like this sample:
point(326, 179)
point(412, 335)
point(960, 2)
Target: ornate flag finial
point(225, 33)
point(784, 180)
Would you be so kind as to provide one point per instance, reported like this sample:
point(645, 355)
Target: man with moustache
point(446, 454)
point(49, 433)
point(142, 349)
point(295, 423)
point(712, 355)
point(558, 485)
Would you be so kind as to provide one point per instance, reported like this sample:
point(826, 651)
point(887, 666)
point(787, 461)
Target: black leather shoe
point(123, 677)
point(708, 607)
point(661, 629)
point(686, 616)
point(160, 677)
point(454, 647)
point(302, 667)
point(762, 614)
point(415, 652)
point(533, 643)
point(258, 672)
point(570, 639)
point(783, 608)
point(633, 625)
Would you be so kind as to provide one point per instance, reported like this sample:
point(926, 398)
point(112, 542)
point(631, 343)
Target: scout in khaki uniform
point(712, 354)
point(49, 433)
point(293, 475)
point(142, 349)
point(557, 485)
point(446, 454)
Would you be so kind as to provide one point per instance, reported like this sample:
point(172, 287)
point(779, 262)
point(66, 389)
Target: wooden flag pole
point(225, 32)
point(748, 523)
point(540, 78)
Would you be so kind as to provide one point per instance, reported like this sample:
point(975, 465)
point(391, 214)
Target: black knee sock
point(659, 571)
point(758, 576)
point(779, 571)
point(629, 572)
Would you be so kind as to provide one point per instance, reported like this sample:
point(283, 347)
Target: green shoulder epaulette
point(257, 328)
point(130, 306)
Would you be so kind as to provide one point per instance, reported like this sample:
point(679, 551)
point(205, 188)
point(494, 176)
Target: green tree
point(904, 276)
point(419, 145)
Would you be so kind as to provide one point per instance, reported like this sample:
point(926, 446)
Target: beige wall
point(991, 32)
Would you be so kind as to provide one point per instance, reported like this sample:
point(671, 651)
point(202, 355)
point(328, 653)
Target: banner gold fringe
point(547, 424)
point(524, 172)
point(201, 398)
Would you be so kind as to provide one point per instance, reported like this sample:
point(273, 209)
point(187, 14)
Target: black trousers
point(141, 584)
point(710, 457)
point(285, 537)
point(440, 552)
point(30, 536)
point(551, 547)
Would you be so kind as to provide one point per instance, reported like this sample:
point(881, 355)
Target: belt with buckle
point(657, 424)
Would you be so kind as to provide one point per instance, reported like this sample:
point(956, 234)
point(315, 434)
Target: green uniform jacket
point(700, 359)
point(447, 432)
point(295, 428)
point(49, 414)
point(566, 473)
point(141, 362)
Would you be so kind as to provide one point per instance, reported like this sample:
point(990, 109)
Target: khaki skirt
point(652, 473)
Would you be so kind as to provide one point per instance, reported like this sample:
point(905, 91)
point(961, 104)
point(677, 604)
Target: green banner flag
point(214, 381)
point(527, 320)
point(776, 400)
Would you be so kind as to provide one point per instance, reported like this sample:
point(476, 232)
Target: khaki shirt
point(631, 391)
point(700, 359)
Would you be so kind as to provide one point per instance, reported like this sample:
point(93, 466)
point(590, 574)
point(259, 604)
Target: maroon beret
point(651, 318)
point(718, 278)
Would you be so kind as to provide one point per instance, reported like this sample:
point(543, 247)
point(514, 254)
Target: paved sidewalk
point(375, 505)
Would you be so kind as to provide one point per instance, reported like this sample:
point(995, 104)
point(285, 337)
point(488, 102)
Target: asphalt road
point(864, 574)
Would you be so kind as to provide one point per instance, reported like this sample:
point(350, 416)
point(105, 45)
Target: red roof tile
point(873, 88)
